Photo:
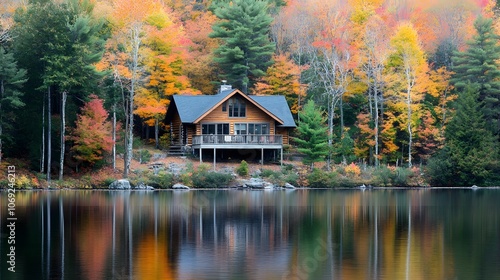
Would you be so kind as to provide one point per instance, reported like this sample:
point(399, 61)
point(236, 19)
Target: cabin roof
point(192, 107)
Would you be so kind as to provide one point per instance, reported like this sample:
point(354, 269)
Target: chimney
point(224, 87)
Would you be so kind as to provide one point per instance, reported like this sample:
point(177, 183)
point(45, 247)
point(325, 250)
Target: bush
point(163, 180)
point(383, 176)
point(242, 169)
point(266, 173)
point(401, 176)
point(210, 179)
point(352, 170)
point(321, 179)
point(143, 156)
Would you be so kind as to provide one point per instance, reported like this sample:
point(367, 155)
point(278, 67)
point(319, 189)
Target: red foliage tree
point(92, 134)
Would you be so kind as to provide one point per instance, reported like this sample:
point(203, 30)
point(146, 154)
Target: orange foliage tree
point(282, 78)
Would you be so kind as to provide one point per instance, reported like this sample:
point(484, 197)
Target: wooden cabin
point(229, 123)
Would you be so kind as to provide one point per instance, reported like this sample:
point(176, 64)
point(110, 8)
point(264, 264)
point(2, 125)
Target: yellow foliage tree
point(283, 78)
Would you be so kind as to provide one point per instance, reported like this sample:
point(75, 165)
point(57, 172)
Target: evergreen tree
point(479, 66)
point(246, 50)
point(470, 155)
point(58, 43)
point(313, 138)
point(11, 80)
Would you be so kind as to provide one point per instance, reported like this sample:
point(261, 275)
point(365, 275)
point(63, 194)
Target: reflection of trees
point(310, 234)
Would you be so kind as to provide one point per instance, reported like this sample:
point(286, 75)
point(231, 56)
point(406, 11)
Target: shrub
point(383, 176)
point(352, 169)
point(143, 156)
point(23, 182)
point(163, 180)
point(242, 169)
point(321, 179)
point(266, 173)
point(210, 179)
point(401, 176)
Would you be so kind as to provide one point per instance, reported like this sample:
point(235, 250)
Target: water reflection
point(315, 234)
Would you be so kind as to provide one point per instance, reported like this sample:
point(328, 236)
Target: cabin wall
point(253, 115)
point(285, 133)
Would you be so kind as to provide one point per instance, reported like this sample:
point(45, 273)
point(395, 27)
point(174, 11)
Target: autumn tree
point(282, 78)
point(164, 55)
point(407, 63)
point(126, 59)
point(479, 65)
point(312, 139)
point(92, 134)
point(332, 64)
point(245, 52)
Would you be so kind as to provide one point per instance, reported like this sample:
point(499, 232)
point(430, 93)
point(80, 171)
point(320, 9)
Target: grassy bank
point(193, 174)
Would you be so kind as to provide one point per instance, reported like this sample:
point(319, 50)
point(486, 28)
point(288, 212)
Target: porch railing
point(224, 139)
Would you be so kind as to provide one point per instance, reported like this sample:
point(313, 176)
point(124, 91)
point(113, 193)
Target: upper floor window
point(236, 107)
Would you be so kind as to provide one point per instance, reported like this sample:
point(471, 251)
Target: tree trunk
point(114, 137)
point(375, 94)
point(157, 132)
point(49, 135)
point(64, 95)
point(42, 160)
point(136, 42)
point(2, 89)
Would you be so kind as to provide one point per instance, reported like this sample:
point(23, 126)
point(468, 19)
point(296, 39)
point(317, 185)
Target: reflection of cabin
point(230, 123)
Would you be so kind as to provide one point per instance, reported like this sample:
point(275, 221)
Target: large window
point(236, 107)
point(251, 128)
point(215, 128)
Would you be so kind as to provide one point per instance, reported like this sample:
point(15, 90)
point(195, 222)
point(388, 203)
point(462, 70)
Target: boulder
point(122, 184)
point(289, 186)
point(143, 186)
point(180, 186)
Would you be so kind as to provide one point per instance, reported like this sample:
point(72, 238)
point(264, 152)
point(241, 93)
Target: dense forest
point(399, 82)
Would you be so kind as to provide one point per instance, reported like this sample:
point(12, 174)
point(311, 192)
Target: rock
point(143, 186)
point(289, 186)
point(122, 184)
point(268, 185)
point(180, 186)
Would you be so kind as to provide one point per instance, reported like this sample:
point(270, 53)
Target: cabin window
point(251, 128)
point(224, 106)
point(258, 128)
point(240, 128)
point(236, 107)
point(215, 128)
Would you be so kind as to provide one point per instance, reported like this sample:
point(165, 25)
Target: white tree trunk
point(135, 40)
point(114, 137)
point(63, 133)
point(49, 135)
point(42, 160)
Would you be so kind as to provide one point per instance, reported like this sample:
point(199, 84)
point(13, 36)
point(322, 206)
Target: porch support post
point(281, 156)
point(262, 156)
point(214, 157)
point(201, 153)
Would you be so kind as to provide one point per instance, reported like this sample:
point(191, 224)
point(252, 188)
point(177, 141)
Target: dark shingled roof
point(277, 105)
point(191, 107)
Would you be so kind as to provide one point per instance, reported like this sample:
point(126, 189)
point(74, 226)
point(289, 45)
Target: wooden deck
point(248, 141)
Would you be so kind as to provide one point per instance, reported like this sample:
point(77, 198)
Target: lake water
point(236, 234)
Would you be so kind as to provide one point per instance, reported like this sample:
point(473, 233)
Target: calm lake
point(236, 234)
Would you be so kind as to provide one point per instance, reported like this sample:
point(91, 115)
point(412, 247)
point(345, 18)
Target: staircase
point(176, 150)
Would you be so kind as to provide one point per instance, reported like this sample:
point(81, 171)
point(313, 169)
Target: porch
point(242, 143)
point(238, 141)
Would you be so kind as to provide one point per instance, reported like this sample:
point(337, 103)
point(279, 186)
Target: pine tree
point(479, 66)
point(11, 80)
point(313, 138)
point(470, 155)
point(246, 50)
